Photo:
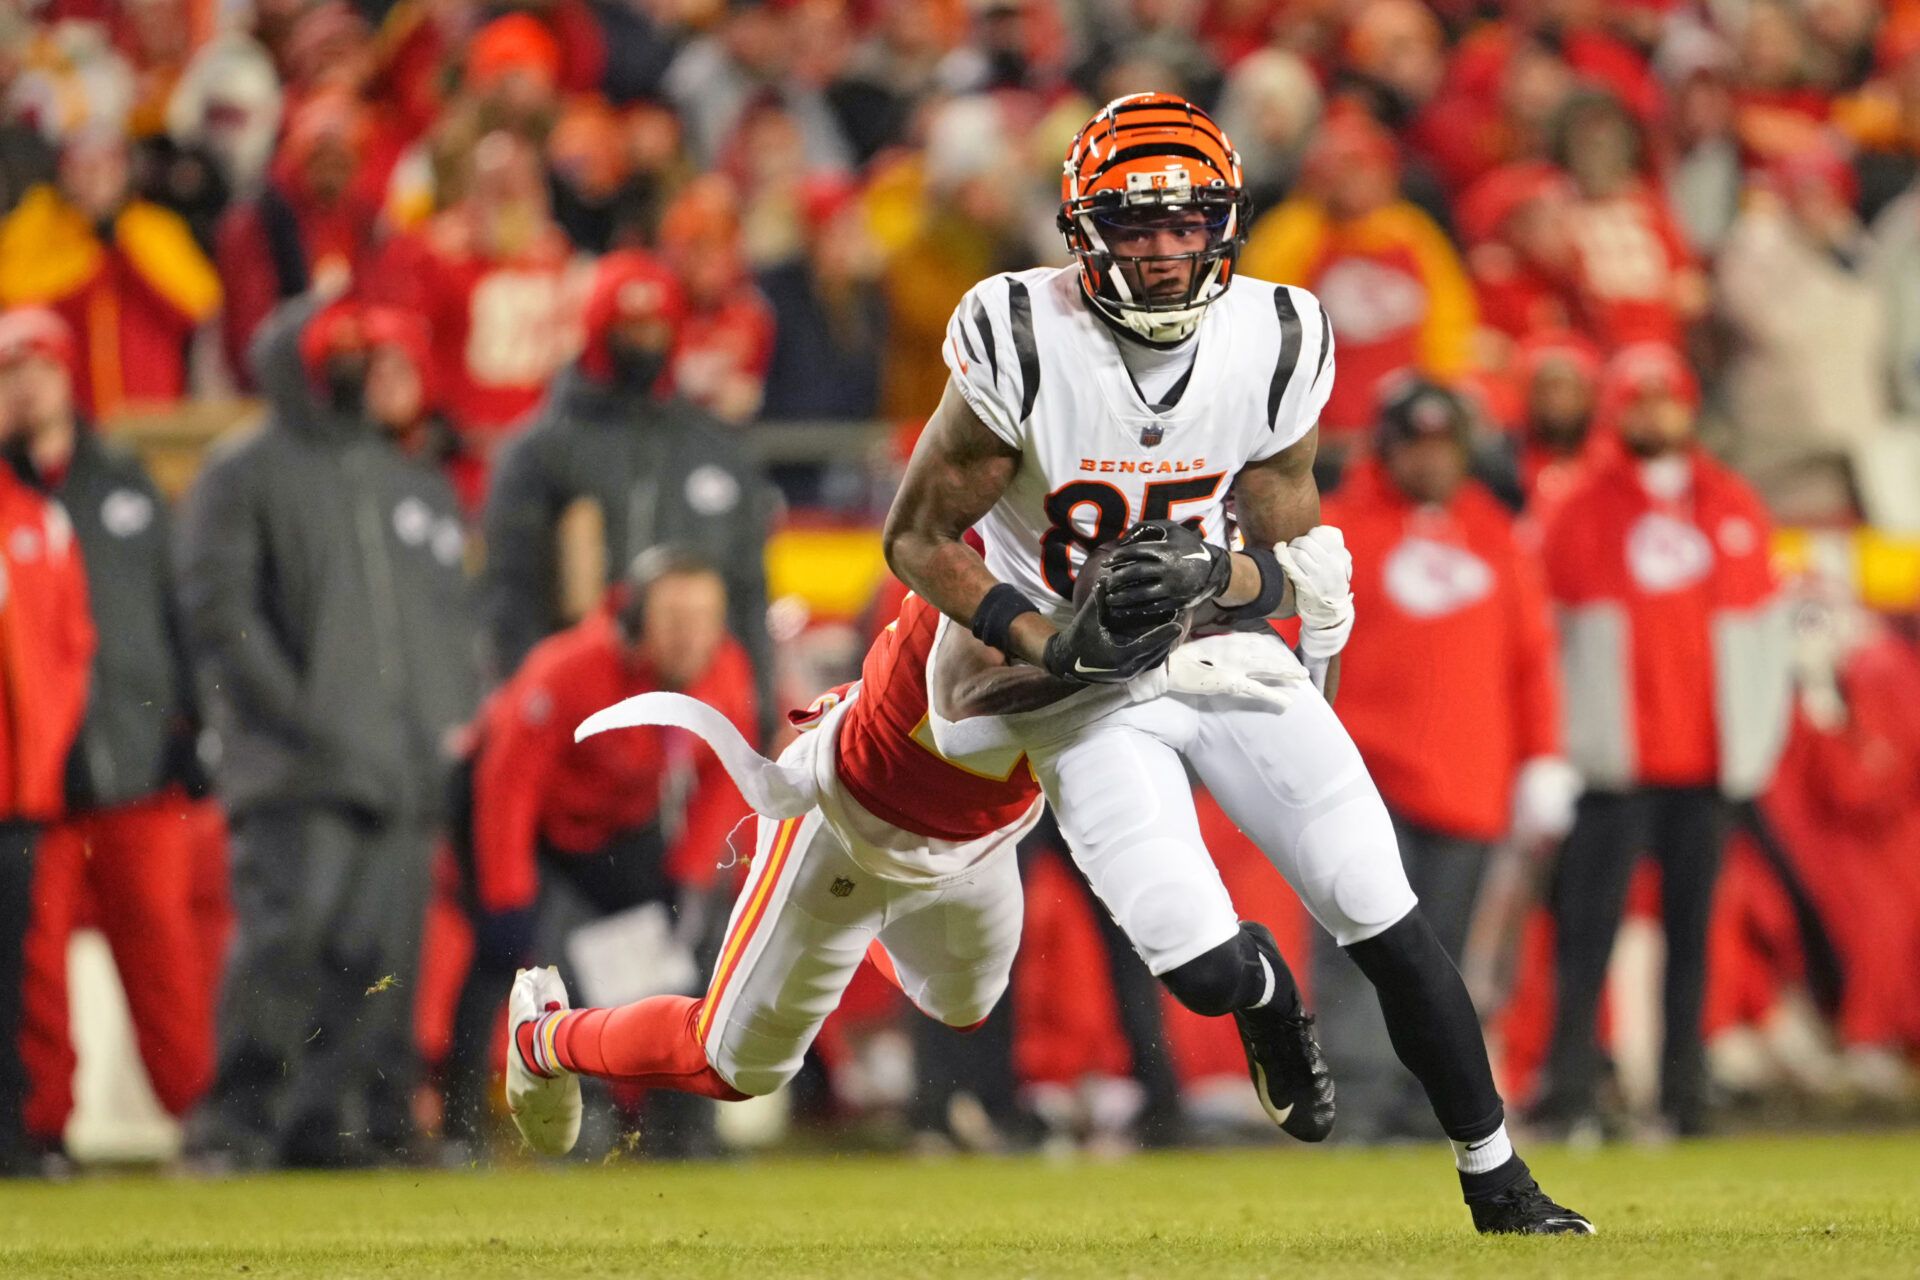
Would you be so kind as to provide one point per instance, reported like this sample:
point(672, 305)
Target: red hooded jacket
point(1454, 645)
point(1673, 642)
point(534, 783)
point(46, 650)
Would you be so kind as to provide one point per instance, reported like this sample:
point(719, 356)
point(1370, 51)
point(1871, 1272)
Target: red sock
point(650, 1043)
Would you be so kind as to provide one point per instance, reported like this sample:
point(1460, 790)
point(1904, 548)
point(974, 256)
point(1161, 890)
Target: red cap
point(1485, 207)
point(627, 285)
point(336, 329)
point(383, 326)
point(1641, 368)
point(517, 42)
point(26, 331)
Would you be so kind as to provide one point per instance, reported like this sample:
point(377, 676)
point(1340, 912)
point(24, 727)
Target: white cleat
point(546, 1109)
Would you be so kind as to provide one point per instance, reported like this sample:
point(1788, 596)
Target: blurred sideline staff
point(124, 855)
point(1674, 660)
point(326, 607)
point(653, 470)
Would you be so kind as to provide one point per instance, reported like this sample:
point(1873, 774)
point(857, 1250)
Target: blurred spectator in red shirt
point(1633, 277)
point(311, 226)
point(1394, 60)
point(1674, 659)
point(726, 339)
point(1391, 283)
point(1781, 107)
point(1514, 224)
point(1504, 83)
point(1559, 374)
point(624, 819)
point(1438, 568)
point(489, 275)
point(1848, 810)
point(543, 800)
point(125, 274)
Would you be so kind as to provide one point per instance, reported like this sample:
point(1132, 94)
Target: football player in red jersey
point(871, 843)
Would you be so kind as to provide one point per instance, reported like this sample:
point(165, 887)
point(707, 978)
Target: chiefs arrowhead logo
point(1429, 579)
point(1665, 554)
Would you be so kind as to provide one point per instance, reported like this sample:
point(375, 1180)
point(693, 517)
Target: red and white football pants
point(807, 916)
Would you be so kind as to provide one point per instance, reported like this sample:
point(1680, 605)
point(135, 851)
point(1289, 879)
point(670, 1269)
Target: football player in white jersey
point(1147, 383)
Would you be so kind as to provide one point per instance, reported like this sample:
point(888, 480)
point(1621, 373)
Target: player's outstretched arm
point(958, 471)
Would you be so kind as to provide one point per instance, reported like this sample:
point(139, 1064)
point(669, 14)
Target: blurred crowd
point(1617, 289)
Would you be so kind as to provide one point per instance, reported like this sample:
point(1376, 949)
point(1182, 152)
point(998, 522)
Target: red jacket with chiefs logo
point(1449, 682)
point(886, 758)
point(1673, 639)
point(533, 783)
point(46, 650)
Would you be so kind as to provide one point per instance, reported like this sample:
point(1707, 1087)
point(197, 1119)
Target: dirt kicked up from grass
point(1745, 1208)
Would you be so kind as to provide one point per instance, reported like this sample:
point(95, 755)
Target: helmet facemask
point(1146, 169)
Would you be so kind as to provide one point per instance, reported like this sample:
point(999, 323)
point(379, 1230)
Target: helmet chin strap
point(1158, 326)
point(1162, 326)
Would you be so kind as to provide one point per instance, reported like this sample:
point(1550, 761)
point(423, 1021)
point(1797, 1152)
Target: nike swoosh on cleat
point(1278, 1114)
point(1082, 667)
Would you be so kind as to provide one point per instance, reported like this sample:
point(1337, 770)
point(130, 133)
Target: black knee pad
point(1219, 981)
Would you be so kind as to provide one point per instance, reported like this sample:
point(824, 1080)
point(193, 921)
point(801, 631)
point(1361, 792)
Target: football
point(1205, 615)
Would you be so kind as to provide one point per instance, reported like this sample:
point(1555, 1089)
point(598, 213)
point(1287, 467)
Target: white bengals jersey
point(1045, 374)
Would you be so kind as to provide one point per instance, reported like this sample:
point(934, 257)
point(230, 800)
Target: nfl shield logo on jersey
point(1150, 435)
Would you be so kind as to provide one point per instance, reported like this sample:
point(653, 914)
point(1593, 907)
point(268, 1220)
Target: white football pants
point(1291, 780)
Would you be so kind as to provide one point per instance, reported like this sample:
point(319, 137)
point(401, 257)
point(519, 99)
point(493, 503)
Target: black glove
point(1162, 569)
point(1091, 651)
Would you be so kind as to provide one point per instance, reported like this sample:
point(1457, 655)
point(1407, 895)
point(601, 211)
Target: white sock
point(1484, 1155)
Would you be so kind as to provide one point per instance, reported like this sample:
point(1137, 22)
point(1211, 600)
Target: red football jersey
point(887, 760)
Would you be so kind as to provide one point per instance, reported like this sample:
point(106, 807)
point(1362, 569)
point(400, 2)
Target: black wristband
point(1273, 588)
point(993, 620)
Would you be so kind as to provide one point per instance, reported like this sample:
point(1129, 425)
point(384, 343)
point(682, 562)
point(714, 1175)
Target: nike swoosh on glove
point(1321, 570)
point(1162, 568)
point(1089, 651)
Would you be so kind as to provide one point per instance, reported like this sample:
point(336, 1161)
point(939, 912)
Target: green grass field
point(1747, 1208)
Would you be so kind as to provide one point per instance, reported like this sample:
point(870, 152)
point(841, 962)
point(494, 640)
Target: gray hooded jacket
point(660, 473)
point(326, 606)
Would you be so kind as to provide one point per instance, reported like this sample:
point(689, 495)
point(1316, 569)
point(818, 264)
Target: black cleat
point(1521, 1208)
point(1289, 1072)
